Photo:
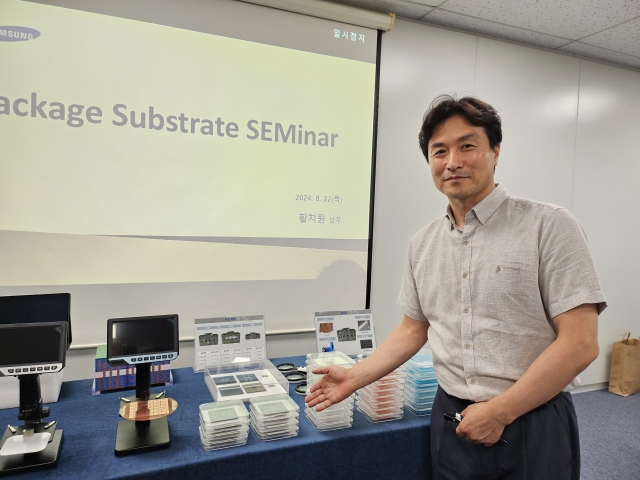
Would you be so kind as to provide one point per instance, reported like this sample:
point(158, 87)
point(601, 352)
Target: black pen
point(457, 418)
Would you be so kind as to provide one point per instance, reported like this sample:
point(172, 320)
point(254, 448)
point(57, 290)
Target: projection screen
point(205, 158)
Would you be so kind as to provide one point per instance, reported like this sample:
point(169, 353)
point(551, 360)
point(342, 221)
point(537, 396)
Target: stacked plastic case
point(336, 416)
point(382, 401)
point(421, 383)
point(244, 380)
point(274, 417)
point(223, 424)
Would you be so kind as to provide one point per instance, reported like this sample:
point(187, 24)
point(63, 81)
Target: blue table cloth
point(387, 450)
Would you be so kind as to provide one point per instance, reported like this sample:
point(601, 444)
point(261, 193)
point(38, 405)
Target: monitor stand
point(18, 437)
point(135, 436)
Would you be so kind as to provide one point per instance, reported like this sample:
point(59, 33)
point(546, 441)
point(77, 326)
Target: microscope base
point(129, 440)
point(27, 462)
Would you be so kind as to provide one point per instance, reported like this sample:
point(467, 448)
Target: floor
point(609, 435)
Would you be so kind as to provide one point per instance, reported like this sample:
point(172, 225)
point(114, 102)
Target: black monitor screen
point(54, 307)
point(29, 344)
point(133, 336)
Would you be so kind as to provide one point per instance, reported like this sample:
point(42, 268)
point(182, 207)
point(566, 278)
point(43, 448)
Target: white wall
point(569, 138)
point(606, 187)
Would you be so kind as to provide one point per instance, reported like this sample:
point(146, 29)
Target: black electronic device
point(32, 348)
point(26, 351)
point(141, 341)
point(50, 307)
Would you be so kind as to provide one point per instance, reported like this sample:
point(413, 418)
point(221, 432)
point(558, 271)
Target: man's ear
point(496, 152)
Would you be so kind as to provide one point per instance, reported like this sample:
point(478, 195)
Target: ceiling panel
point(624, 38)
point(571, 19)
point(597, 53)
point(476, 25)
point(414, 10)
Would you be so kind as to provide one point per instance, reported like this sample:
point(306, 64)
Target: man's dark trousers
point(543, 445)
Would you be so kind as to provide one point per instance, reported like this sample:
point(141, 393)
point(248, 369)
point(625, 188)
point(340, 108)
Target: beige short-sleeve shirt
point(489, 291)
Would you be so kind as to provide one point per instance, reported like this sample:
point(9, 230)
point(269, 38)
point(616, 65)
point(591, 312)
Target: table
point(388, 450)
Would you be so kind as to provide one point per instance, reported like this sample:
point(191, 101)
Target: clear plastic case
point(336, 416)
point(223, 424)
point(382, 401)
point(245, 381)
point(274, 417)
point(421, 383)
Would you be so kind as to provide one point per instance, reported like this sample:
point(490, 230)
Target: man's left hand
point(480, 424)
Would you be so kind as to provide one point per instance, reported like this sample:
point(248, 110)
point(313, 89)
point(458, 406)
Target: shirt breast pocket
point(514, 277)
point(515, 293)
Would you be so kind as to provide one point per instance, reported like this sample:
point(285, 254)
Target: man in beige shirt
point(506, 292)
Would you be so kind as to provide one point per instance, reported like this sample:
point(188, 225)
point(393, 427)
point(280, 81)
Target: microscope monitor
point(32, 348)
point(138, 340)
point(52, 307)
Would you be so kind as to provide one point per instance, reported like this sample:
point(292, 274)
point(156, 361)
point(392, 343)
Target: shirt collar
point(450, 217)
point(489, 204)
point(486, 207)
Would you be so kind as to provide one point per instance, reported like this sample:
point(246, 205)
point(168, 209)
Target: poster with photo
point(350, 332)
point(223, 339)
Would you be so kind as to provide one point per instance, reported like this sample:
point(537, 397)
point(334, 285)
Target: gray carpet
point(609, 435)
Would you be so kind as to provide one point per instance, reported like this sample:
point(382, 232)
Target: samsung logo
point(17, 34)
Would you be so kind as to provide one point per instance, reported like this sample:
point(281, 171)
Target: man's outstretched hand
point(335, 386)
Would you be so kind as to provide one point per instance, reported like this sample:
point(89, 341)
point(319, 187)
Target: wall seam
point(575, 140)
point(475, 67)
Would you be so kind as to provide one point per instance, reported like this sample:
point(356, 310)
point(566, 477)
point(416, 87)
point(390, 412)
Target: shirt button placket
point(465, 305)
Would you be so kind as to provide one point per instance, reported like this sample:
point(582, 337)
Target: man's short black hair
point(475, 111)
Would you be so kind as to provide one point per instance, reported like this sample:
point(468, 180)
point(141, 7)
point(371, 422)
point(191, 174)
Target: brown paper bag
point(624, 378)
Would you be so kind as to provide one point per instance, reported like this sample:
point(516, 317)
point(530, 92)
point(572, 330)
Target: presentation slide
point(142, 146)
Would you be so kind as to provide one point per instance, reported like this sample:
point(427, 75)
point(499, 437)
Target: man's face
point(462, 161)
